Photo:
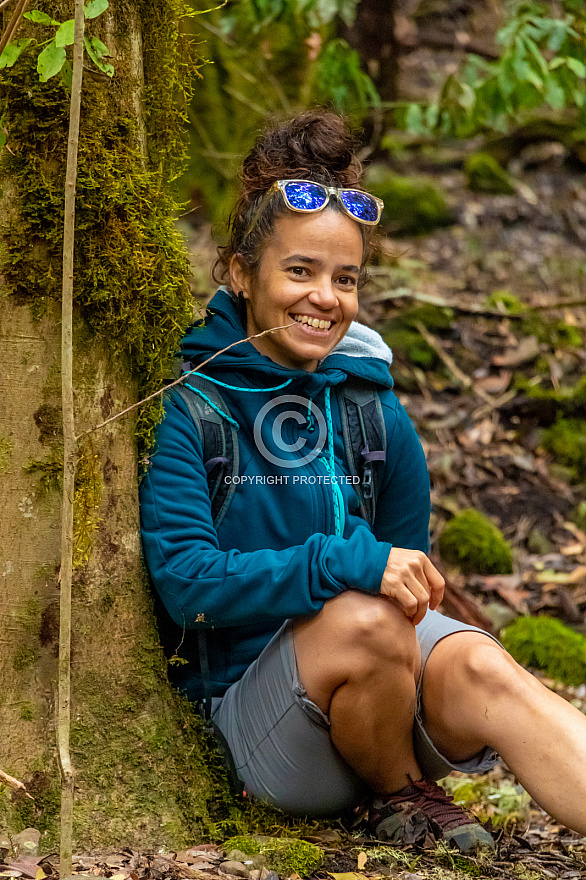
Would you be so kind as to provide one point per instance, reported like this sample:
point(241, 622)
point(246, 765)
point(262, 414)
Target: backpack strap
point(365, 441)
point(218, 437)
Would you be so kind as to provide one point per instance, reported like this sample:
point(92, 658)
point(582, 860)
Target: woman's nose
point(324, 294)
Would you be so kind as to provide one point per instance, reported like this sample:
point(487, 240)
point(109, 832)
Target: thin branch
point(14, 783)
point(180, 379)
point(13, 24)
point(69, 455)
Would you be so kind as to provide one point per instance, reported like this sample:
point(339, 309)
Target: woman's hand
point(412, 583)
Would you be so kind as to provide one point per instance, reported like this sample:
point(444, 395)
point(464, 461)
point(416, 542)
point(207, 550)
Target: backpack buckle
point(367, 483)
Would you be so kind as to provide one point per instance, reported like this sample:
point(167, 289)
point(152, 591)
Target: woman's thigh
point(280, 739)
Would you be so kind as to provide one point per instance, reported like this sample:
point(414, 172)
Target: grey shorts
point(280, 739)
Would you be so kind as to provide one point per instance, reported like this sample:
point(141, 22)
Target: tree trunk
point(373, 36)
point(140, 775)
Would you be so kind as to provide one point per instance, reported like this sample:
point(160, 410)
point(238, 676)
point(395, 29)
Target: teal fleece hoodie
point(293, 537)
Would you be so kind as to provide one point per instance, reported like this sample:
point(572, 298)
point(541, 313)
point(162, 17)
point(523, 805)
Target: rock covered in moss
point(485, 175)
point(413, 205)
point(284, 855)
point(546, 643)
point(473, 543)
point(566, 439)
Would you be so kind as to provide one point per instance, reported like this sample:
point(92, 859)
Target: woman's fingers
point(412, 582)
point(411, 596)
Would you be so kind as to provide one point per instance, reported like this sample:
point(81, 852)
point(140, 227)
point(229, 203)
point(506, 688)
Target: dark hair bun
point(317, 144)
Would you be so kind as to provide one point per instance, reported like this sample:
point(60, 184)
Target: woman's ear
point(239, 276)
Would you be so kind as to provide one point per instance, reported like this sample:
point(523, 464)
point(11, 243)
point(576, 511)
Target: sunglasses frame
point(330, 191)
point(279, 186)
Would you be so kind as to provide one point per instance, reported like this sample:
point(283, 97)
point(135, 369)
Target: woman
point(334, 678)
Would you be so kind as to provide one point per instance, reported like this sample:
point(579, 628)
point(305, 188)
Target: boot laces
point(432, 800)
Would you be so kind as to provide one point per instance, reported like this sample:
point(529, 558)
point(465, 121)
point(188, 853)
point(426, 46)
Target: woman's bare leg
point(475, 694)
point(358, 660)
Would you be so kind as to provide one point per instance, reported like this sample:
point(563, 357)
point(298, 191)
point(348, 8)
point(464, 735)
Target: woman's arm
point(201, 584)
point(403, 504)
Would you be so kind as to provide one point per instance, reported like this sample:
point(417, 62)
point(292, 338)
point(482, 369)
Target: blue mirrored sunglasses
point(306, 196)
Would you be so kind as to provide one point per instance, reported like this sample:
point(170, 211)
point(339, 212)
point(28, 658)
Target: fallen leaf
point(572, 549)
point(562, 577)
point(527, 350)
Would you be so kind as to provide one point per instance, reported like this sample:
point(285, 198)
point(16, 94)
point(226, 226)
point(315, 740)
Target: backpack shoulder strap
point(365, 440)
point(218, 437)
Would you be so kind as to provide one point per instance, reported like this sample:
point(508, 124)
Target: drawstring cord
point(330, 466)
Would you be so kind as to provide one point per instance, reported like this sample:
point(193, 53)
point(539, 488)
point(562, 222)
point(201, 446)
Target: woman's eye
point(347, 281)
point(298, 270)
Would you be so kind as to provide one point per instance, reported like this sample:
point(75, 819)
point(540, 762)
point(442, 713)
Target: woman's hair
point(316, 145)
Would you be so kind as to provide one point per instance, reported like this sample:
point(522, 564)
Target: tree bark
point(141, 777)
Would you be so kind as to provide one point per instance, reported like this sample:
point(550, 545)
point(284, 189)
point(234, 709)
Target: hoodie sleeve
point(403, 505)
point(201, 584)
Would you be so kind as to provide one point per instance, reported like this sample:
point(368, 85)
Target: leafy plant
point(53, 57)
point(543, 63)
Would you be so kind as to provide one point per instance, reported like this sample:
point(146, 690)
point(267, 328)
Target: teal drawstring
point(329, 463)
point(238, 388)
point(309, 416)
point(213, 406)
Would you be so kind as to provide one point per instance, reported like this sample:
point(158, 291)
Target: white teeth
point(313, 322)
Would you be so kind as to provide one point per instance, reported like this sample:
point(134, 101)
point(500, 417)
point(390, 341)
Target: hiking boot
point(403, 814)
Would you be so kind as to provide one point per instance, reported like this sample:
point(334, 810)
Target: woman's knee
point(489, 669)
point(372, 624)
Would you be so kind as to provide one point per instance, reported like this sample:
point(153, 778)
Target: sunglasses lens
point(305, 196)
point(361, 205)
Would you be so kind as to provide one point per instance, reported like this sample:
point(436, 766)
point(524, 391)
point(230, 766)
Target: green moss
point(24, 657)
point(131, 267)
point(6, 447)
point(40, 812)
point(284, 855)
point(546, 643)
point(27, 712)
point(578, 515)
point(88, 491)
point(48, 470)
point(485, 175)
point(412, 205)
point(473, 543)
point(505, 301)
point(566, 440)
point(403, 337)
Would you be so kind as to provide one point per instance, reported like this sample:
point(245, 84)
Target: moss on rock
point(566, 440)
point(485, 175)
point(473, 543)
point(546, 643)
point(284, 855)
point(413, 205)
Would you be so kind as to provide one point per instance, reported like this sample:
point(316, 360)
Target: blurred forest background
point(472, 119)
point(473, 122)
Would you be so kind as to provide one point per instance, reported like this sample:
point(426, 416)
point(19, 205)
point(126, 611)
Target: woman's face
point(308, 272)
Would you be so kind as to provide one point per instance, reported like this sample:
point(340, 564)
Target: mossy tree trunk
point(140, 776)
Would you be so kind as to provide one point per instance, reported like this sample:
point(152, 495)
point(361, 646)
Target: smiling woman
point(320, 651)
point(308, 279)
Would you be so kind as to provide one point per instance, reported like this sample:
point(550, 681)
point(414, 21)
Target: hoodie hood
point(362, 352)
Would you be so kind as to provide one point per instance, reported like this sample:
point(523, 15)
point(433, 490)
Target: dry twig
point(69, 454)
point(180, 379)
point(14, 783)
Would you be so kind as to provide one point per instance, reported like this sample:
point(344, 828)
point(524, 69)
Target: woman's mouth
point(312, 326)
